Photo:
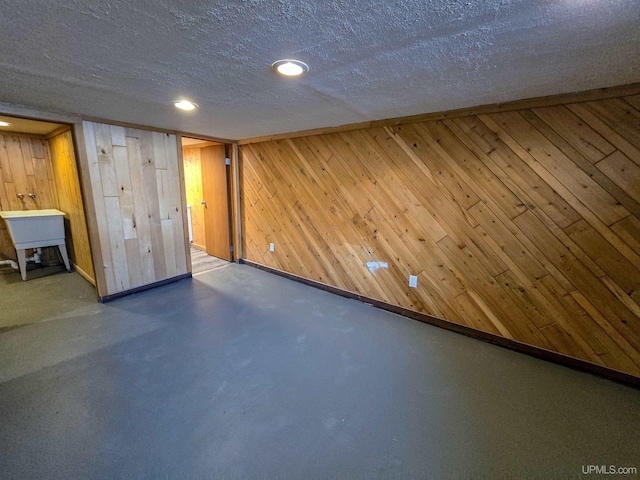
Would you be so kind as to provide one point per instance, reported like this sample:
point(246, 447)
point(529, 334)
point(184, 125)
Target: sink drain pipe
point(36, 259)
point(36, 256)
point(13, 264)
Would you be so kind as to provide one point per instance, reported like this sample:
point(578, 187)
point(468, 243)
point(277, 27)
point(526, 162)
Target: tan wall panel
point(522, 224)
point(65, 174)
point(135, 183)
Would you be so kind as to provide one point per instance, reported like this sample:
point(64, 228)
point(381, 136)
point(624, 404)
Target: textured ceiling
point(374, 59)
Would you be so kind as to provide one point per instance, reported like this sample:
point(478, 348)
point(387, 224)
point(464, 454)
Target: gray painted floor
point(242, 374)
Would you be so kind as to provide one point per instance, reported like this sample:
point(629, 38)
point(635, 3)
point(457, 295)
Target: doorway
point(39, 177)
point(207, 178)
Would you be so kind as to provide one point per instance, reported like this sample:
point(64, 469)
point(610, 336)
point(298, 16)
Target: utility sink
point(35, 229)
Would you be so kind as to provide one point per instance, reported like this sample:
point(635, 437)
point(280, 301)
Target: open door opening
point(207, 178)
point(43, 228)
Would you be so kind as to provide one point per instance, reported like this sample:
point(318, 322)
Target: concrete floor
point(242, 374)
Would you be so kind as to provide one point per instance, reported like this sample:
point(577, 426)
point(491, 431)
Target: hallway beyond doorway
point(203, 262)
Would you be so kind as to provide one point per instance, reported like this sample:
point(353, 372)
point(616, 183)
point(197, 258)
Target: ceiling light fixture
point(4, 124)
point(290, 68)
point(185, 105)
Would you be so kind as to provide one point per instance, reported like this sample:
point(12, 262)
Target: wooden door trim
point(183, 202)
point(236, 205)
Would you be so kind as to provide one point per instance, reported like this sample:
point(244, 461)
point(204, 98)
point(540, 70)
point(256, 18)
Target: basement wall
point(69, 200)
point(136, 202)
point(524, 224)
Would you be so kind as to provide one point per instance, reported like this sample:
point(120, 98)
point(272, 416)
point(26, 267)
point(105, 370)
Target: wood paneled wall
point(25, 167)
point(69, 200)
point(193, 184)
point(523, 224)
point(136, 184)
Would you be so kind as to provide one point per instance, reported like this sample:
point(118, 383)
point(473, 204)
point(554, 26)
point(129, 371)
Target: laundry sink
point(35, 229)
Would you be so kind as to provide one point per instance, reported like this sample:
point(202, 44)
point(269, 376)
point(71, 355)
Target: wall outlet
point(272, 247)
point(413, 281)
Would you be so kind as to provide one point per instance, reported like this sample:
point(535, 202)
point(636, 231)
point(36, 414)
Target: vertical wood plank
point(105, 261)
point(151, 195)
point(141, 223)
point(178, 205)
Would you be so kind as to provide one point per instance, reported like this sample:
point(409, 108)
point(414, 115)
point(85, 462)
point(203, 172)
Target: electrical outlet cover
point(272, 247)
point(413, 281)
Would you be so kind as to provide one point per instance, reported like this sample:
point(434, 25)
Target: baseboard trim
point(537, 352)
point(84, 275)
point(131, 291)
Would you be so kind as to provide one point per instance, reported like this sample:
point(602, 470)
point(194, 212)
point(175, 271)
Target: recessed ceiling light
point(185, 105)
point(4, 124)
point(290, 68)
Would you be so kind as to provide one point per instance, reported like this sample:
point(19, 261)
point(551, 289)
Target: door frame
point(72, 124)
point(233, 194)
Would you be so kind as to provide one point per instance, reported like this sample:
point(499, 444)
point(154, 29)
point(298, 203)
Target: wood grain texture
point(65, 174)
point(216, 210)
point(137, 201)
point(25, 167)
point(521, 223)
point(236, 202)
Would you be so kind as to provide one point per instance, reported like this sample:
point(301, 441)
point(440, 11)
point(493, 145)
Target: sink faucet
point(32, 196)
point(20, 196)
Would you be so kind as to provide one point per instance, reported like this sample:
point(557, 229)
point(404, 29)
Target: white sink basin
point(35, 229)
